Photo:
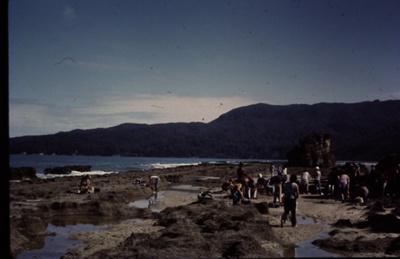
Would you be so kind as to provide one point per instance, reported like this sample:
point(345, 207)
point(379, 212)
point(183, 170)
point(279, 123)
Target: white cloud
point(151, 109)
point(35, 119)
point(29, 118)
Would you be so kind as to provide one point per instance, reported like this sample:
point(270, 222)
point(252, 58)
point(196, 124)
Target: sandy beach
point(186, 228)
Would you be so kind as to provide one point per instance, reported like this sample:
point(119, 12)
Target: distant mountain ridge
point(360, 131)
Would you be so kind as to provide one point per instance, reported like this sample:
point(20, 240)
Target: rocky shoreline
point(187, 228)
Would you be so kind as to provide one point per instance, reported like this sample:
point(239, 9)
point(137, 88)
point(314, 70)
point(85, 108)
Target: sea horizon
point(114, 164)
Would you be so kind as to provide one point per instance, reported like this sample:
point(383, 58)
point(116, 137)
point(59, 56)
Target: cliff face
point(359, 131)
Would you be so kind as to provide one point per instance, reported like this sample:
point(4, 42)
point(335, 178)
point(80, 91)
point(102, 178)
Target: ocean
point(107, 165)
point(115, 164)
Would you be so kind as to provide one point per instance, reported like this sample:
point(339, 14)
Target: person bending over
point(154, 179)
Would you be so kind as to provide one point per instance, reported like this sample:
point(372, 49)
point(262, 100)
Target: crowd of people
point(350, 182)
point(285, 192)
point(244, 186)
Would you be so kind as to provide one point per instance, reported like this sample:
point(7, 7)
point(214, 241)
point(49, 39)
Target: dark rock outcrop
point(210, 230)
point(390, 163)
point(19, 173)
point(313, 150)
point(67, 169)
point(389, 168)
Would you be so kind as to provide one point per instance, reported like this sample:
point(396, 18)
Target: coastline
point(39, 200)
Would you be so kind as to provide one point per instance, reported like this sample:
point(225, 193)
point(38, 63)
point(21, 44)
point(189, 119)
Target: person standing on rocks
point(317, 180)
point(280, 169)
point(241, 177)
point(272, 169)
point(241, 174)
point(291, 193)
point(278, 180)
point(344, 187)
point(305, 181)
point(154, 179)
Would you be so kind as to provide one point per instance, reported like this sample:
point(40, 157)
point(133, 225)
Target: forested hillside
point(360, 131)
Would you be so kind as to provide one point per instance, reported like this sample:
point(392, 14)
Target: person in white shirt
point(305, 181)
point(317, 178)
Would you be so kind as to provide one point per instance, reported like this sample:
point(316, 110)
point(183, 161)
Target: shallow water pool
point(57, 244)
point(151, 203)
point(306, 248)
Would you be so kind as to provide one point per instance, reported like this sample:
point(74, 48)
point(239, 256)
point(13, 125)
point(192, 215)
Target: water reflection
point(57, 244)
point(306, 248)
point(152, 203)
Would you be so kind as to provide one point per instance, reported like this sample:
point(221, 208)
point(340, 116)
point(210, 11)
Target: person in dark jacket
point(291, 193)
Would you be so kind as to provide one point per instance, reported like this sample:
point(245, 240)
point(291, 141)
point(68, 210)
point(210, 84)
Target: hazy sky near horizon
point(99, 63)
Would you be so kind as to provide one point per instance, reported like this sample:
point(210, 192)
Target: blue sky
point(99, 63)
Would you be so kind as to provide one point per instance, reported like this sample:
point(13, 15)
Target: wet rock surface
point(375, 222)
point(215, 228)
point(205, 230)
point(35, 201)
